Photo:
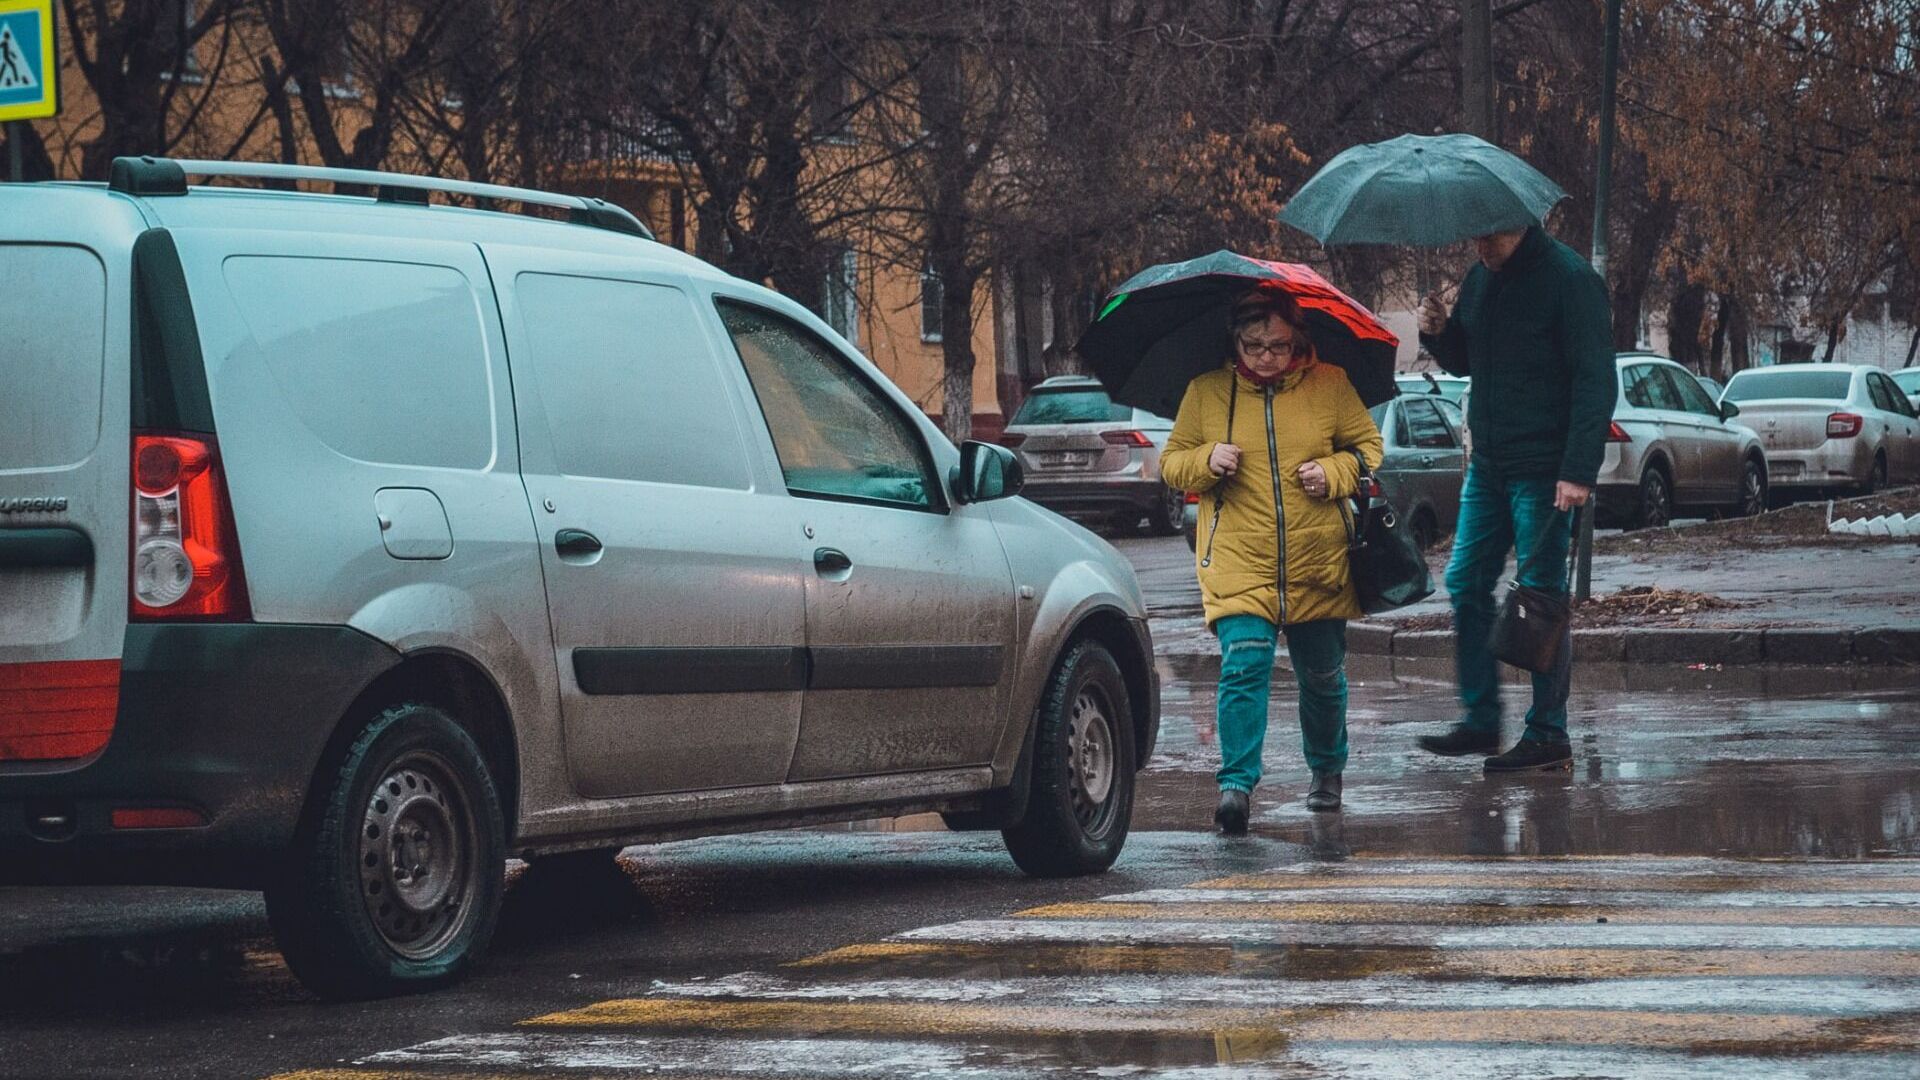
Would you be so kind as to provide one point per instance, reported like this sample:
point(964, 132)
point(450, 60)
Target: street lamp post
point(1602, 188)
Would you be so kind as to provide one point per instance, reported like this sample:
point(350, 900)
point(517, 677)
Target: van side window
point(632, 390)
point(837, 437)
point(384, 361)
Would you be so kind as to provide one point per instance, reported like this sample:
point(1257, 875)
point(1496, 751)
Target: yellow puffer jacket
point(1316, 417)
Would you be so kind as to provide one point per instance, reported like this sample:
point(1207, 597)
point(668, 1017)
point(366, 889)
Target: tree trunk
point(956, 348)
point(1684, 317)
point(1834, 331)
point(1716, 356)
point(1476, 68)
point(1913, 346)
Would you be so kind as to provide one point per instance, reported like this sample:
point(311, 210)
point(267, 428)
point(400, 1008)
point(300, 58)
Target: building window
point(933, 297)
point(840, 300)
point(175, 35)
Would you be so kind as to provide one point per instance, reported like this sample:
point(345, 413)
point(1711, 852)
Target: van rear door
point(65, 281)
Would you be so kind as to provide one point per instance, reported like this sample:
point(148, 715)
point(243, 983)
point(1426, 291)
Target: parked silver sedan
point(1829, 427)
point(1672, 450)
point(1086, 457)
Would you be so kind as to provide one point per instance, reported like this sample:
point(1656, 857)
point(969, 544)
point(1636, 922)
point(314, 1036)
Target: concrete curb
point(1661, 645)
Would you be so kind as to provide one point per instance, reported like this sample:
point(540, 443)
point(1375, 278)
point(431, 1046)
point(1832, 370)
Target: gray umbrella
point(1431, 190)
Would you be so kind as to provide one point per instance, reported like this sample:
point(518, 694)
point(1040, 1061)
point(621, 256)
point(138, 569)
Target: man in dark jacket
point(1533, 329)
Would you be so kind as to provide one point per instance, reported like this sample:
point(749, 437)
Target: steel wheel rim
point(1091, 761)
point(418, 856)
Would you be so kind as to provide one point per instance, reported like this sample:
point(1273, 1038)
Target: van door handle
point(576, 542)
point(55, 546)
point(831, 560)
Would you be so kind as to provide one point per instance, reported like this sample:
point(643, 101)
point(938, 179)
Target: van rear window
point(53, 332)
point(1771, 385)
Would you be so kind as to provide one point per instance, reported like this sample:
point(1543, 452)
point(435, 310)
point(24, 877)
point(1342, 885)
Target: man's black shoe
point(1324, 795)
point(1231, 815)
point(1533, 754)
point(1461, 740)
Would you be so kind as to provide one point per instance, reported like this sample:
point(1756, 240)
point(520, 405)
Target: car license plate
point(1068, 459)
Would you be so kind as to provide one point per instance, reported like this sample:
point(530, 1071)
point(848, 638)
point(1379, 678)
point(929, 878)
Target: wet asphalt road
point(1672, 906)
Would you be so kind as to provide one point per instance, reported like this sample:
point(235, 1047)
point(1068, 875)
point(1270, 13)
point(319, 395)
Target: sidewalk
point(1776, 590)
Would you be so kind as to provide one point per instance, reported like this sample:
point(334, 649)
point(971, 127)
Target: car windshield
point(1071, 407)
point(1379, 414)
point(1770, 385)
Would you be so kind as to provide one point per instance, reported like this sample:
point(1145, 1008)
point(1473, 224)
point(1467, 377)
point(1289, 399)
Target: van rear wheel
point(396, 885)
point(1081, 802)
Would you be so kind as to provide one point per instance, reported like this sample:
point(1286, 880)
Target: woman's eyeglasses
point(1270, 348)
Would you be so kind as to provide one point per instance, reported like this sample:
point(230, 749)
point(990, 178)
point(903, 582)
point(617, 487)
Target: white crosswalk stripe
point(1373, 968)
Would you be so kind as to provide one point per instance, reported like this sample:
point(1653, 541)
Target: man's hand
point(1313, 479)
point(1433, 315)
point(1566, 496)
point(1225, 459)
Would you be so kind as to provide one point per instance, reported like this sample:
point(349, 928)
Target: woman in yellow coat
point(1269, 441)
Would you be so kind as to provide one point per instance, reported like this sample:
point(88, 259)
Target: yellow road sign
point(29, 60)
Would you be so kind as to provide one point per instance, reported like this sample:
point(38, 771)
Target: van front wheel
point(1081, 802)
point(396, 884)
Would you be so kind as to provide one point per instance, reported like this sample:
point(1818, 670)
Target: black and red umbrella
point(1169, 323)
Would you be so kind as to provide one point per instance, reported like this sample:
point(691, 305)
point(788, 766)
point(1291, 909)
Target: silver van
point(351, 544)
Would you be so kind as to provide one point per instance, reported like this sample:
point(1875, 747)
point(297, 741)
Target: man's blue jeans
point(1319, 652)
point(1496, 513)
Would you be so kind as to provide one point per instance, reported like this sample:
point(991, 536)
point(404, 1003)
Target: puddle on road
point(1667, 760)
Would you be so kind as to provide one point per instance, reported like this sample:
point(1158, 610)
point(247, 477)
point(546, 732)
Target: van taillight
point(186, 553)
point(1844, 425)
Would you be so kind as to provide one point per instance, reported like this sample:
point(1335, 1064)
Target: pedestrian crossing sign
point(29, 60)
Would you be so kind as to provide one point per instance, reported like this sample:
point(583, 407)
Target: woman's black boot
point(1231, 815)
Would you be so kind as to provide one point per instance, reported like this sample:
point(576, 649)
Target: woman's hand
point(1225, 459)
point(1313, 479)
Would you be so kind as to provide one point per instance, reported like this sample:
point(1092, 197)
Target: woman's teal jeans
point(1319, 652)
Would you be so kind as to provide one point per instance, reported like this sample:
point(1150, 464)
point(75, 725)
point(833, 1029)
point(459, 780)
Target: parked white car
point(1672, 450)
point(1908, 380)
point(1829, 427)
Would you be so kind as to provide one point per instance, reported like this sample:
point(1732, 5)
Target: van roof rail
point(168, 176)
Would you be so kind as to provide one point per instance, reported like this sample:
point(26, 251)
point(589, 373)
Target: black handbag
point(1532, 625)
point(1389, 570)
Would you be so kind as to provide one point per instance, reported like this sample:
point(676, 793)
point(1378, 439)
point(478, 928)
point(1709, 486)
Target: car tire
point(1169, 515)
point(1877, 475)
point(1754, 496)
point(1426, 531)
point(1655, 507)
point(394, 886)
point(1081, 801)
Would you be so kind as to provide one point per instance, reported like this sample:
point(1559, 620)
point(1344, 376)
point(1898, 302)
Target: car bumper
point(1150, 720)
point(225, 720)
point(1072, 495)
point(1830, 466)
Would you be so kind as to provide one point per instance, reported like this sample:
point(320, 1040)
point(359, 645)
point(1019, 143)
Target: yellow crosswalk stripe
point(1722, 1032)
point(1478, 914)
point(1646, 883)
point(1336, 962)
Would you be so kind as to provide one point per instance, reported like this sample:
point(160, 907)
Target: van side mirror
point(1728, 410)
point(986, 472)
